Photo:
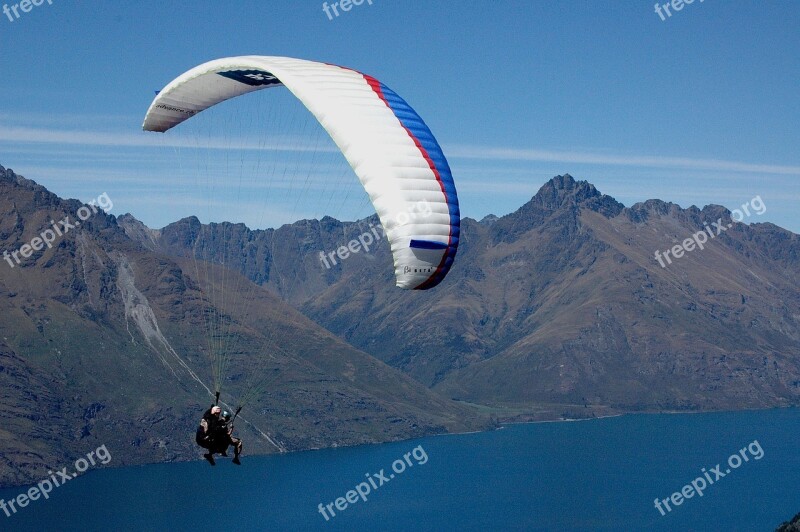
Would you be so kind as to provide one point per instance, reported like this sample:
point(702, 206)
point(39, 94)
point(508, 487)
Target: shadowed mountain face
point(790, 526)
point(103, 341)
point(560, 308)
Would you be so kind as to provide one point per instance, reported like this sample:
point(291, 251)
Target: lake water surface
point(590, 475)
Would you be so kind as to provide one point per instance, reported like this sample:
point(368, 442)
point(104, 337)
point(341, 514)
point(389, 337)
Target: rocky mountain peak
point(563, 191)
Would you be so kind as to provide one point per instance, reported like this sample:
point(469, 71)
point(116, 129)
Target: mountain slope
point(103, 341)
point(718, 328)
point(561, 308)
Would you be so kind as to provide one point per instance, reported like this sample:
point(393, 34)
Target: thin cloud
point(32, 135)
point(644, 161)
point(17, 134)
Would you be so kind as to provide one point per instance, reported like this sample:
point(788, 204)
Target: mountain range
point(104, 342)
point(560, 309)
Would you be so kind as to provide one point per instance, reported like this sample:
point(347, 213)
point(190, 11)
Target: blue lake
point(590, 475)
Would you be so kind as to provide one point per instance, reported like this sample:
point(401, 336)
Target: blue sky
point(699, 108)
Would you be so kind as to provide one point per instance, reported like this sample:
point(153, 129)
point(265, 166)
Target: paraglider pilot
point(215, 434)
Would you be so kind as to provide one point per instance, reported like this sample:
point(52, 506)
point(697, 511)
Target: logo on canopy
point(251, 77)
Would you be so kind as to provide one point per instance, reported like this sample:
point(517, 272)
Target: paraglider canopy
point(387, 144)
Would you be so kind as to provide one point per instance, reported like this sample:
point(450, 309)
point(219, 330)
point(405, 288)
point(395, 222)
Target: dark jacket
point(208, 429)
point(221, 435)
